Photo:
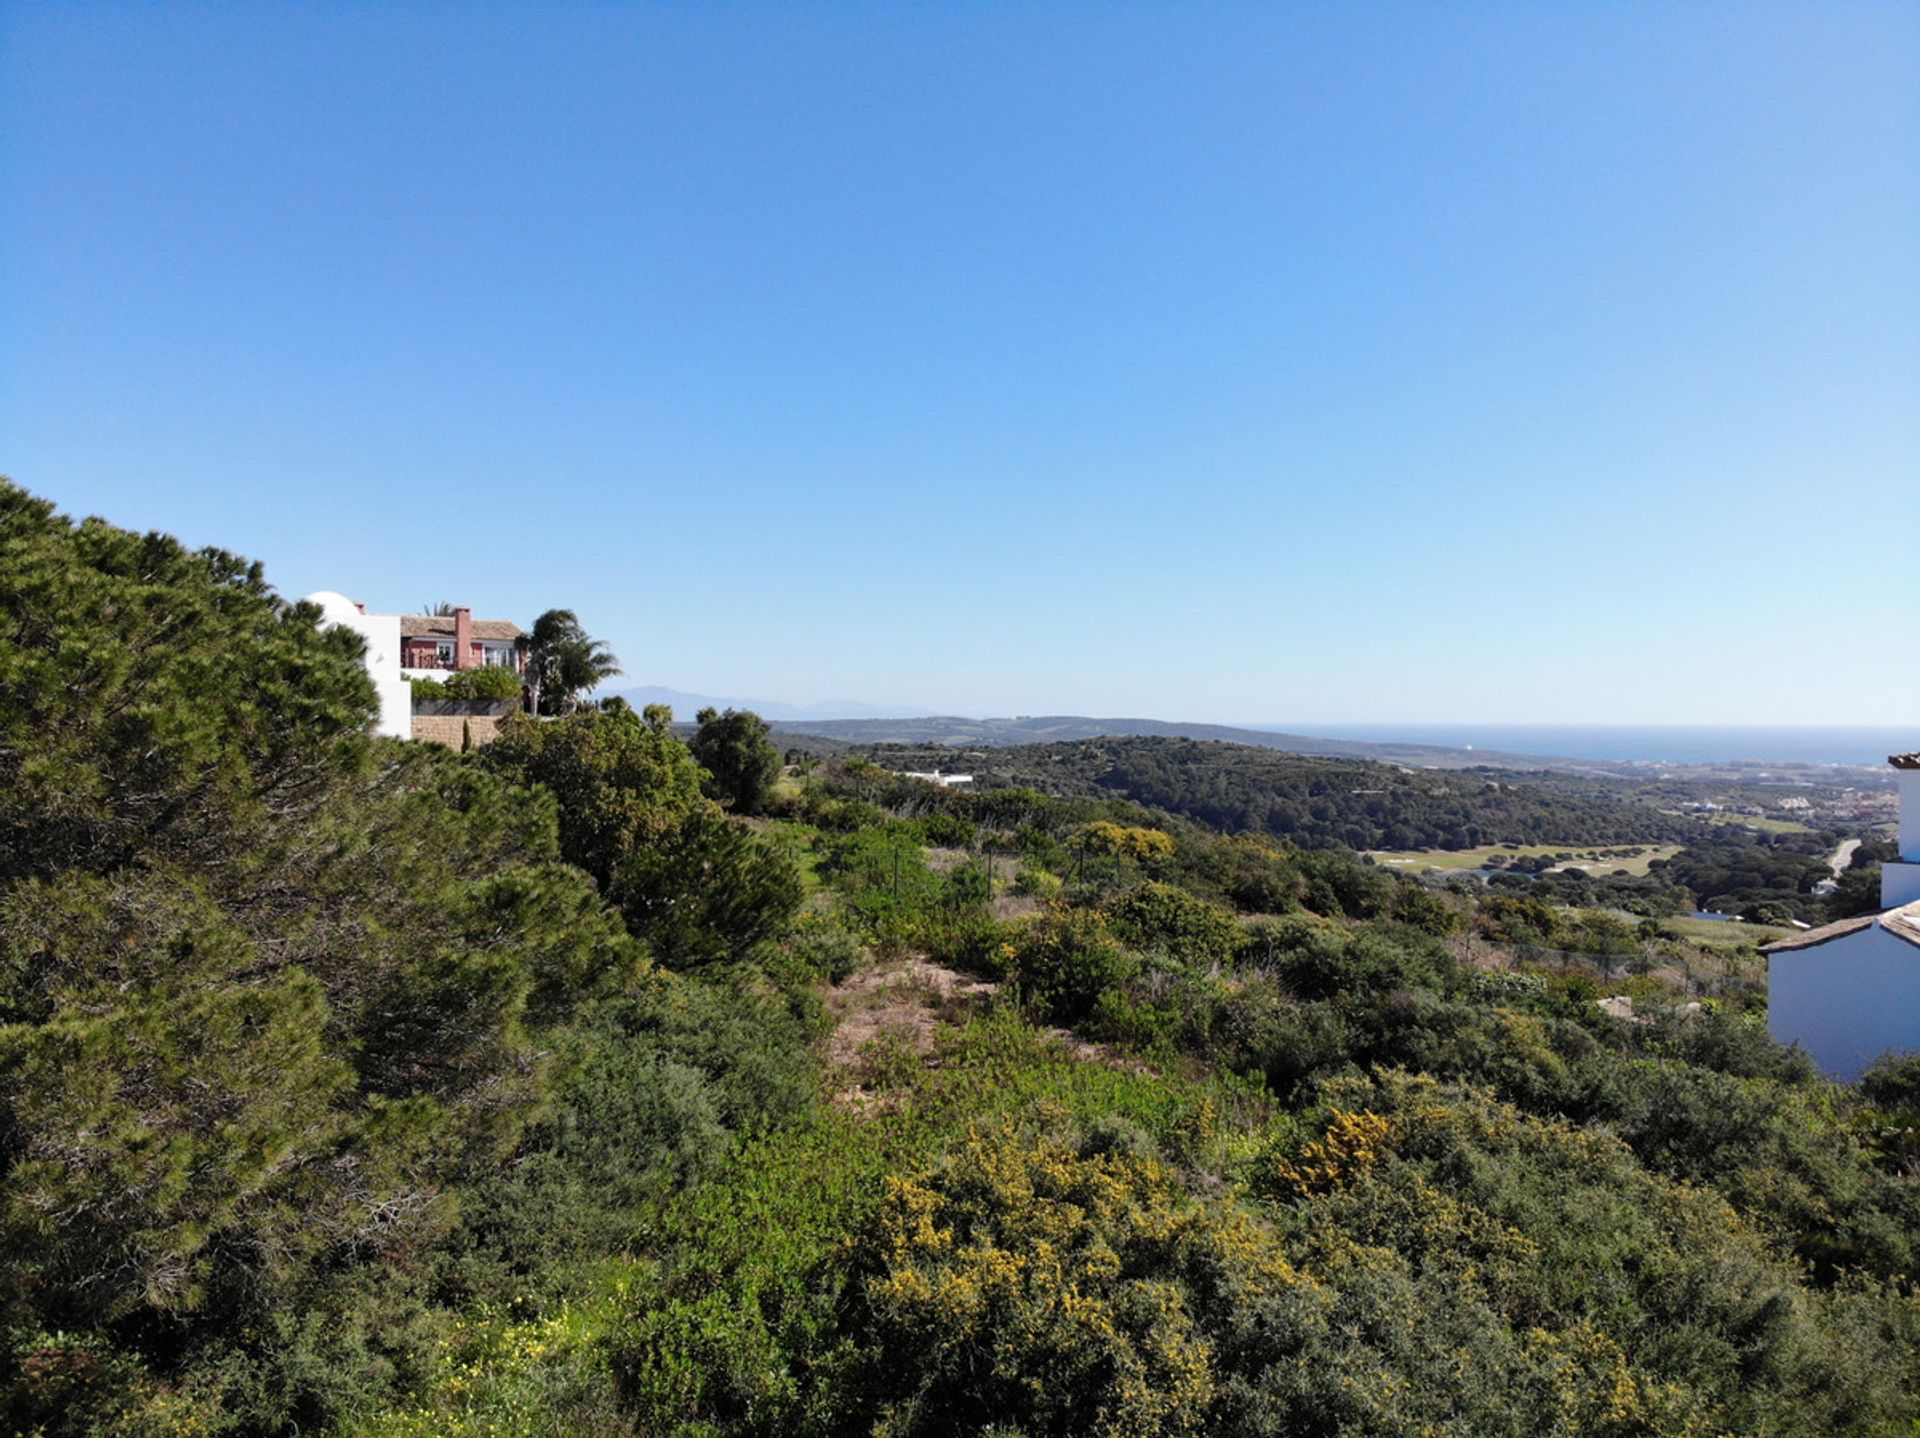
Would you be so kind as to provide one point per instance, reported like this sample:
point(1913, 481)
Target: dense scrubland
point(355, 1086)
point(1319, 802)
point(1764, 871)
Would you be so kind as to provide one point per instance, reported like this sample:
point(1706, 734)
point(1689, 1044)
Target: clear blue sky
point(1539, 363)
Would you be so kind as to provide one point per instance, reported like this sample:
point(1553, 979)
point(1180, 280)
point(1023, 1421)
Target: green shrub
point(1580, 1282)
point(1189, 929)
point(1422, 909)
point(1364, 961)
point(1257, 874)
point(1340, 886)
point(885, 883)
point(950, 831)
point(966, 886)
point(739, 758)
point(1034, 882)
point(1893, 1083)
point(488, 682)
point(1290, 1046)
point(708, 891)
point(969, 941)
point(824, 948)
point(1064, 962)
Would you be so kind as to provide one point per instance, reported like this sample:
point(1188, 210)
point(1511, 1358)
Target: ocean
point(1673, 744)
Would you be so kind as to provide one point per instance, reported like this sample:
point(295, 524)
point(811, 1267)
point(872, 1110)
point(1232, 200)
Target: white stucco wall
point(382, 633)
point(1846, 1001)
point(1909, 781)
point(1899, 884)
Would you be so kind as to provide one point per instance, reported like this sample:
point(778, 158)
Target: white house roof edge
point(1902, 923)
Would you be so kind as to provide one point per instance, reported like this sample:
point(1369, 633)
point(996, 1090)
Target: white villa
point(402, 647)
point(1850, 991)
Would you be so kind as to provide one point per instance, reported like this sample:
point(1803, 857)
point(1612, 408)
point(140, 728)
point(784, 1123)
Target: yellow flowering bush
point(1121, 841)
point(1053, 1287)
point(513, 1370)
point(1352, 1142)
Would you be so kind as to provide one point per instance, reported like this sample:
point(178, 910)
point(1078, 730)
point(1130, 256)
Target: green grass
point(1751, 821)
point(798, 841)
point(1713, 931)
point(1415, 861)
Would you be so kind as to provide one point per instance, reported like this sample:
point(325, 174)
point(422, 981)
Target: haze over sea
point(1675, 744)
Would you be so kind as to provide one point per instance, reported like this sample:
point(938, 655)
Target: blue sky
point(1527, 363)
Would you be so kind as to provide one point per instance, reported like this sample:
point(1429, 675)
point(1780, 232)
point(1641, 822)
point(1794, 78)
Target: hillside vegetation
point(961, 733)
point(357, 1087)
point(1530, 829)
point(1317, 802)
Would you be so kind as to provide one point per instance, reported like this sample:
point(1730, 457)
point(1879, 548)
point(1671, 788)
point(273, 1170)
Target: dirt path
point(908, 1001)
point(1842, 857)
point(905, 1000)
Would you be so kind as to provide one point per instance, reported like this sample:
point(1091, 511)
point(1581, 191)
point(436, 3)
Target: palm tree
point(564, 661)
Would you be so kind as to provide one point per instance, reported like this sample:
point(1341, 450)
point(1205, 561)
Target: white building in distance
point(1850, 992)
point(945, 781)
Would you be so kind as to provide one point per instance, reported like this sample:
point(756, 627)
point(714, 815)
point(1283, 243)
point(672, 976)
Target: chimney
point(1900, 878)
point(463, 639)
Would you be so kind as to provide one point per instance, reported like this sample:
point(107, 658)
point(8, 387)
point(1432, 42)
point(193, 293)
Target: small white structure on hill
point(382, 633)
point(1850, 991)
point(945, 781)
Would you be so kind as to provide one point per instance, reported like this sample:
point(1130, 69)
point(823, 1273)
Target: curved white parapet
point(382, 635)
point(336, 608)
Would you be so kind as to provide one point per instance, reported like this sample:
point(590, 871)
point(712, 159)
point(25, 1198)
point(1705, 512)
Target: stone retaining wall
point(450, 721)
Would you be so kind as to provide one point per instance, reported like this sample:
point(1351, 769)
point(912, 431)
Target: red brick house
point(436, 644)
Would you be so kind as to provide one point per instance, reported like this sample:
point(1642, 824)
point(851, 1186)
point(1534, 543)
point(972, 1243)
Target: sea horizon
point(1840, 744)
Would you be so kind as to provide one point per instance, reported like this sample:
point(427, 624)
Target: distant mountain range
point(685, 705)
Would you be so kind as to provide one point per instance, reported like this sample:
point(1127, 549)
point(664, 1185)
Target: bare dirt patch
point(1009, 907)
point(945, 861)
point(896, 1003)
point(1087, 1051)
point(900, 1005)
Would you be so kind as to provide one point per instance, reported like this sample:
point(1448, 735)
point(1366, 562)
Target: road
point(1842, 857)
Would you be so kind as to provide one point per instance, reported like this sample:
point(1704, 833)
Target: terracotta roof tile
point(440, 626)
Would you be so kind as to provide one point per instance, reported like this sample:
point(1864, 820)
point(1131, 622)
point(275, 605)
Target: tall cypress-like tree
point(734, 748)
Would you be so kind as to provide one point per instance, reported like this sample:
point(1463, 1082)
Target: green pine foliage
point(154, 694)
point(700, 888)
point(273, 997)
